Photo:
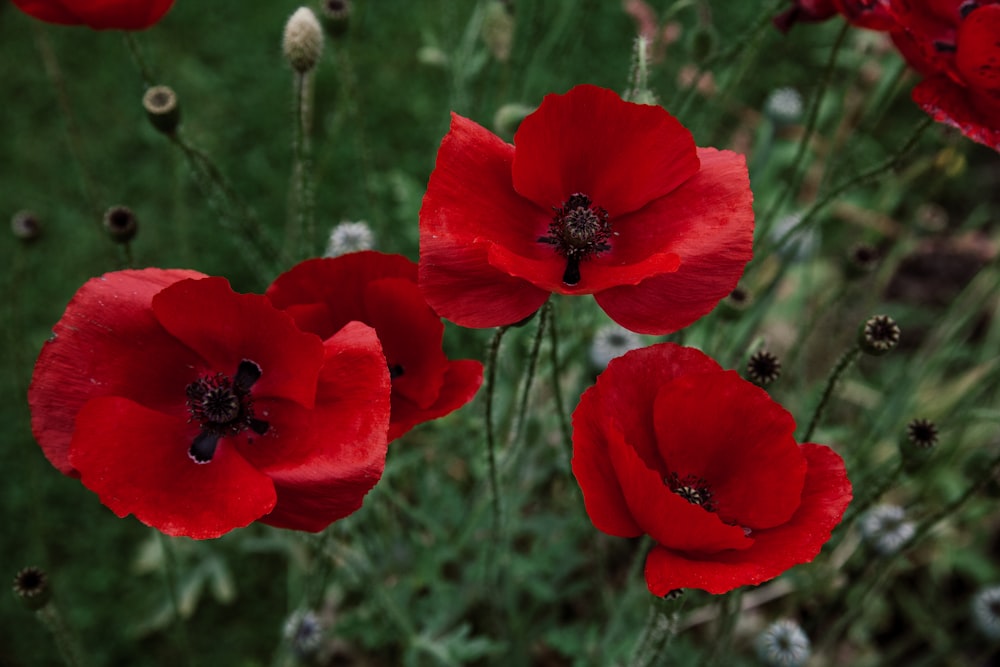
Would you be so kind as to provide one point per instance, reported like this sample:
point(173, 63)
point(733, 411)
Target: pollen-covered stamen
point(693, 489)
point(579, 230)
point(222, 406)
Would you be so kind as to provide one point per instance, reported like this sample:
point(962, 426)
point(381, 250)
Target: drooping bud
point(878, 335)
point(162, 109)
point(121, 224)
point(26, 225)
point(335, 16)
point(31, 586)
point(303, 40)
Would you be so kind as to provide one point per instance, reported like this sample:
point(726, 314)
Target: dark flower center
point(223, 407)
point(579, 230)
point(395, 370)
point(693, 489)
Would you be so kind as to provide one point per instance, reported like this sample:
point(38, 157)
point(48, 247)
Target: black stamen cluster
point(579, 230)
point(223, 406)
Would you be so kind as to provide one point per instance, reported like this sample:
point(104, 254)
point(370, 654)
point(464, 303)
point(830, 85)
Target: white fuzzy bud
point(303, 40)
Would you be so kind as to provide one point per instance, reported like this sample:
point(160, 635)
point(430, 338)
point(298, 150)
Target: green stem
point(300, 228)
point(145, 72)
point(170, 578)
point(730, 607)
point(514, 435)
point(842, 365)
point(492, 356)
point(564, 425)
point(66, 643)
point(812, 115)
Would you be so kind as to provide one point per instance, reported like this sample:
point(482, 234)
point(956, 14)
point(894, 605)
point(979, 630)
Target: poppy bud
point(498, 30)
point(26, 225)
point(702, 44)
point(918, 445)
point(335, 15)
point(734, 305)
point(303, 40)
point(121, 224)
point(31, 585)
point(878, 335)
point(763, 368)
point(861, 260)
point(162, 109)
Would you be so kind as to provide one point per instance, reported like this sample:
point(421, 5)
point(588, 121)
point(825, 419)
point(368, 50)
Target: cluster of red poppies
point(952, 43)
point(200, 410)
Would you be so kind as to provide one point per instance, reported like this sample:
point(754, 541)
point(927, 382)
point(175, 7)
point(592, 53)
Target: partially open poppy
point(668, 444)
point(596, 196)
point(200, 410)
point(99, 15)
point(322, 295)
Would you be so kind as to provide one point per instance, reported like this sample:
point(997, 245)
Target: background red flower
point(669, 445)
point(200, 410)
point(98, 14)
point(596, 196)
point(323, 295)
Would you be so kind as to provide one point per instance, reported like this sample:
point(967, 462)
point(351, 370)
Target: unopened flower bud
point(335, 15)
point(734, 305)
point(763, 368)
point(121, 224)
point(498, 30)
point(702, 44)
point(160, 103)
point(26, 225)
point(31, 586)
point(303, 40)
point(918, 445)
point(878, 335)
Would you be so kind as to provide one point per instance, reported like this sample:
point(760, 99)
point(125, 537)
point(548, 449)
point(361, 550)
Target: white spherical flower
point(349, 237)
point(783, 644)
point(886, 529)
point(610, 341)
point(304, 631)
point(986, 611)
point(784, 105)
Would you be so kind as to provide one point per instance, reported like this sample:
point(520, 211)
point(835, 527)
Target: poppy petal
point(621, 155)
point(107, 342)
point(826, 494)
point(462, 380)
point(713, 239)
point(720, 428)
point(328, 458)
point(230, 327)
point(665, 516)
point(136, 460)
point(109, 14)
point(949, 103)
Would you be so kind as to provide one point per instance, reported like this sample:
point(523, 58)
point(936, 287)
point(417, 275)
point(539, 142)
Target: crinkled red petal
point(461, 382)
point(826, 494)
point(136, 460)
point(978, 54)
point(712, 235)
point(323, 461)
point(225, 328)
point(664, 515)
point(620, 406)
point(720, 428)
point(620, 154)
point(470, 203)
point(949, 103)
point(107, 343)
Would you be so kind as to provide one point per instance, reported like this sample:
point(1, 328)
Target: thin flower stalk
point(843, 364)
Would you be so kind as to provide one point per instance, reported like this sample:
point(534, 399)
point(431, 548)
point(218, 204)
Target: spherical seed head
point(162, 109)
point(783, 106)
point(26, 226)
point(918, 446)
point(783, 644)
point(878, 335)
point(763, 368)
point(303, 40)
point(31, 586)
point(121, 224)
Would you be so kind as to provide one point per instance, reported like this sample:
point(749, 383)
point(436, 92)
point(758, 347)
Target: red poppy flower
point(99, 15)
point(954, 45)
point(323, 295)
point(669, 445)
point(200, 410)
point(872, 14)
point(596, 196)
